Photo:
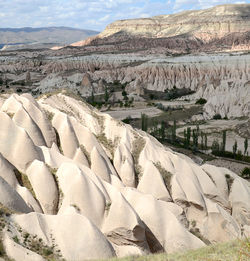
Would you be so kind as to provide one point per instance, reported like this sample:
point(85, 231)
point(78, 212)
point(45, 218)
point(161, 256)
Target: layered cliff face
point(222, 27)
point(90, 187)
point(205, 24)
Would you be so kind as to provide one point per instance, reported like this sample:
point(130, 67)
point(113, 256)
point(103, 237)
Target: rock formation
point(222, 79)
point(81, 185)
point(185, 31)
point(206, 24)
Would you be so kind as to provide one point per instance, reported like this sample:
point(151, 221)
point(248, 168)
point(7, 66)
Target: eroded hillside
point(218, 28)
point(222, 79)
point(77, 184)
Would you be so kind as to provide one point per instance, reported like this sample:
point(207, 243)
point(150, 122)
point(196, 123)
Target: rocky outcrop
point(204, 24)
point(64, 198)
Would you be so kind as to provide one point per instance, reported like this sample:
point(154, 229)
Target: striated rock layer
point(205, 24)
point(188, 31)
point(86, 186)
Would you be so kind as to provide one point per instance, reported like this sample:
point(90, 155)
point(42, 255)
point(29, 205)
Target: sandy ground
point(133, 112)
point(177, 103)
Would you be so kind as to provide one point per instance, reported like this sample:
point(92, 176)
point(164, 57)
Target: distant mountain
point(45, 36)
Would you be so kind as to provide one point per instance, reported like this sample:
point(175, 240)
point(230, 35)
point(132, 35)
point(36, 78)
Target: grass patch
point(24, 181)
point(37, 245)
point(11, 115)
point(107, 143)
point(86, 153)
point(137, 147)
point(4, 211)
point(238, 250)
point(231, 155)
point(60, 193)
point(49, 115)
point(166, 175)
point(58, 142)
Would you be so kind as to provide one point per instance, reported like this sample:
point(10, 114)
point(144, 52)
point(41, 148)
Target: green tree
point(154, 129)
point(202, 140)
point(174, 131)
point(106, 95)
point(215, 146)
point(92, 98)
point(224, 139)
point(162, 130)
point(188, 136)
point(144, 122)
point(195, 139)
point(205, 141)
point(245, 146)
point(235, 146)
point(185, 138)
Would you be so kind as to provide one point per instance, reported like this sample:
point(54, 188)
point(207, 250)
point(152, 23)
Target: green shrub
point(127, 120)
point(245, 173)
point(217, 116)
point(201, 101)
point(229, 181)
point(166, 175)
point(2, 251)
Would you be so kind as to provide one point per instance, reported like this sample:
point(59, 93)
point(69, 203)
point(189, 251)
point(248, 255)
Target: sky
point(91, 14)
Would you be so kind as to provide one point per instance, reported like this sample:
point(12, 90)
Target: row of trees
point(216, 147)
point(166, 132)
point(195, 133)
point(194, 139)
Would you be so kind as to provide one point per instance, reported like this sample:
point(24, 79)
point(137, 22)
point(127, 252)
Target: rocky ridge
point(45, 37)
point(91, 187)
point(205, 24)
point(213, 29)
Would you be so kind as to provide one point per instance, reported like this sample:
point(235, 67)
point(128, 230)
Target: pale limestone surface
point(11, 199)
point(152, 183)
point(164, 225)
point(44, 186)
point(71, 234)
point(13, 141)
point(100, 189)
